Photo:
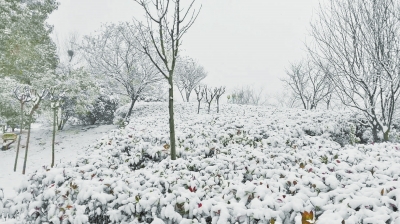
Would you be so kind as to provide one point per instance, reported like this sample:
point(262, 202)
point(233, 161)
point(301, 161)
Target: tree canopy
point(26, 49)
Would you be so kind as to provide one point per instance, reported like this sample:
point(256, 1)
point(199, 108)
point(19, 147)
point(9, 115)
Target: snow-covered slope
point(244, 165)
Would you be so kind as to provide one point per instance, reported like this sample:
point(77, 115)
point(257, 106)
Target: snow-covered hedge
point(245, 165)
point(101, 111)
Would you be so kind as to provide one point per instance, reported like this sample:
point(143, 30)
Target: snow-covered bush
point(252, 166)
point(102, 111)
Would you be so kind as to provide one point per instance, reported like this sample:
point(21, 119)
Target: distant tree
point(160, 39)
point(358, 40)
point(210, 94)
point(113, 56)
point(199, 90)
point(220, 91)
point(188, 75)
point(308, 83)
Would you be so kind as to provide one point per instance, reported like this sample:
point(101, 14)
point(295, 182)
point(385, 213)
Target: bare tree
point(210, 94)
point(220, 91)
point(113, 55)
point(309, 84)
point(188, 75)
point(160, 38)
point(359, 41)
point(199, 90)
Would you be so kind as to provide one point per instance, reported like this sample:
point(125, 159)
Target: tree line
point(353, 59)
point(87, 80)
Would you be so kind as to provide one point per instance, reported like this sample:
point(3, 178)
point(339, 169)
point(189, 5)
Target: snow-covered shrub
point(257, 167)
point(102, 111)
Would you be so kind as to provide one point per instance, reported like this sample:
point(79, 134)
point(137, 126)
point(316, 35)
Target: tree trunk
point(375, 132)
point(171, 117)
point(181, 92)
point(209, 106)
point(187, 96)
point(61, 125)
point(217, 105)
point(304, 104)
point(198, 108)
point(20, 135)
point(27, 143)
point(54, 135)
point(133, 101)
point(60, 120)
point(386, 135)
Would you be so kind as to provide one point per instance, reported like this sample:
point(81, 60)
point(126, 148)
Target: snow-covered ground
point(244, 165)
point(69, 144)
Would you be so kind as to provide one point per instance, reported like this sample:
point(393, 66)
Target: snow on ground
point(244, 165)
point(69, 145)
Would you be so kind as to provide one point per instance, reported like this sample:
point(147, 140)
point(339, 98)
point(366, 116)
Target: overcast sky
point(239, 42)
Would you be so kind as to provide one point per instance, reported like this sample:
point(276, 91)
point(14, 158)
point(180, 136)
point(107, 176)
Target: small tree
point(55, 100)
point(309, 84)
point(220, 92)
point(23, 97)
point(200, 95)
point(113, 56)
point(188, 75)
point(210, 95)
point(170, 21)
point(36, 100)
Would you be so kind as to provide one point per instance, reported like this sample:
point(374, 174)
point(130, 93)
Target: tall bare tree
point(188, 75)
point(113, 55)
point(359, 41)
point(160, 38)
point(309, 84)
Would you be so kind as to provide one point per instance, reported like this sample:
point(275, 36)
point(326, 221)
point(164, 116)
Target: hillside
point(245, 165)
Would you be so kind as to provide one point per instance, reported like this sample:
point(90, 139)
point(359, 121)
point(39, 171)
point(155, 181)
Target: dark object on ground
point(8, 137)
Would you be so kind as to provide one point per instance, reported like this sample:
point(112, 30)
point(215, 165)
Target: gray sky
point(239, 42)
